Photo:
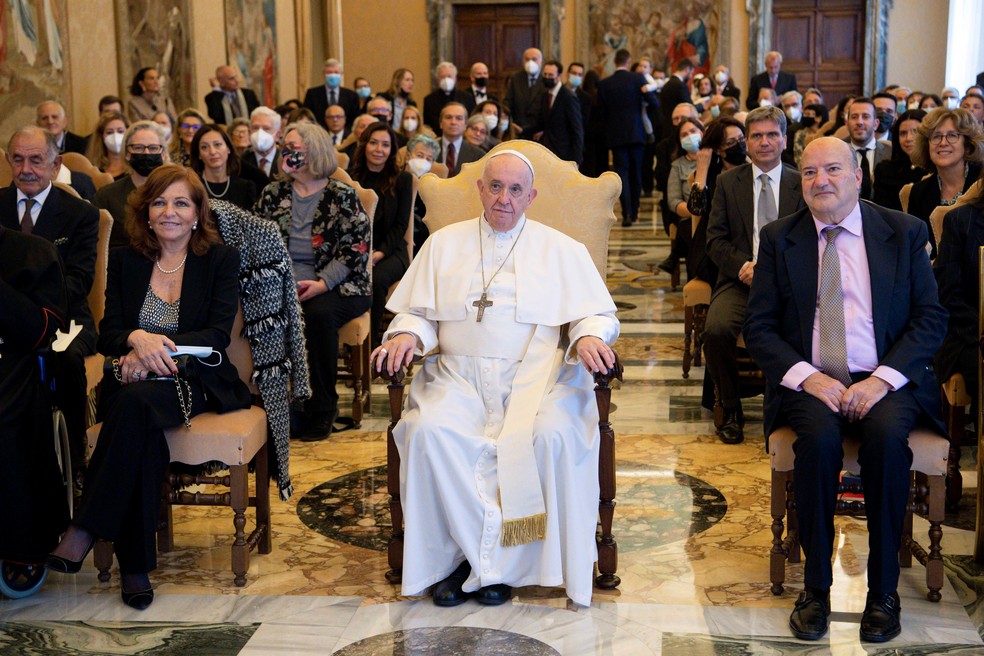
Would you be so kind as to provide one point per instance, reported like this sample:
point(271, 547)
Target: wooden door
point(822, 43)
point(497, 35)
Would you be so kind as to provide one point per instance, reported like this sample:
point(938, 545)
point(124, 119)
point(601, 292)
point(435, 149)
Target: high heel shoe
point(66, 566)
point(139, 600)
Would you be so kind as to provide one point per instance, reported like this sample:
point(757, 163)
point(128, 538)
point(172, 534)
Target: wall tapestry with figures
point(251, 43)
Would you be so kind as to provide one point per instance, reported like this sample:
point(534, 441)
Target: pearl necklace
point(170, 271)
point(212, 192)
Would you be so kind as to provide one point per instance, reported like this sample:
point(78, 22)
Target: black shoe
point(626, 223)
point(730, 431)
point(317, 427)
point(669, 265)
point(64, 565)
point(140, 600)
point(448, 592)
point(494, 595)
point(880, 621)
point(810, 618)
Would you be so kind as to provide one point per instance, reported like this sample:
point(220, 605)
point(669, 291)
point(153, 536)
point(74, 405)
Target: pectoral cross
point(481, 304)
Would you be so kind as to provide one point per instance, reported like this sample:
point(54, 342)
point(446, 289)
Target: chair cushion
point(355, 331)
point(696, 292)
point(929, 451)
point(233, 438)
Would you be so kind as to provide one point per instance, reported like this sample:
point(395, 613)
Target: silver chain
point(178, 382)
point(481, 250)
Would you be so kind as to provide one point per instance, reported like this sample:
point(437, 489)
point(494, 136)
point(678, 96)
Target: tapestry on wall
point(666, 32)
point(157, 33)
point(251, 41)
point(33, 60)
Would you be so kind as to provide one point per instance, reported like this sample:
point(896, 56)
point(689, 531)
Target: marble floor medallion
point(85, 638)
point(448, 641)
point(353, 509)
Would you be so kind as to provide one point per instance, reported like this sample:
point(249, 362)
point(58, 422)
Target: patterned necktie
point(767, 205)
point(265, 165)
point(27, 222)
point(830, 308)
point(865, 174)
point(450, 160)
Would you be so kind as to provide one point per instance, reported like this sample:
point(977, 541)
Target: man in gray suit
point(862, 122)
point(455, 151)
point(747, 198)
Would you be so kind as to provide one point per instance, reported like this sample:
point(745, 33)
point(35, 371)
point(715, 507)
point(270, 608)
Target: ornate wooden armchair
point(578, 206)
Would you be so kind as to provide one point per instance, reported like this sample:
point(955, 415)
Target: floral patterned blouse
point(340, 230)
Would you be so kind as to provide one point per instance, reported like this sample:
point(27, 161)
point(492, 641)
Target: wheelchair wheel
point(64, 453)
point(18, 580)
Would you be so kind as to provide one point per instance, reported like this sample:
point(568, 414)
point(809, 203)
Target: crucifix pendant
point(481, 304)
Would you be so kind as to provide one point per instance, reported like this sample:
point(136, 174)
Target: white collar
point(487, 230)
point(870, 145)
point(775, 174)
point(40, 197)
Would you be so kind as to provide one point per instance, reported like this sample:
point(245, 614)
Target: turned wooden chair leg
point(934, 561)
point(688, 331)
point(607, 546)
point(239, 499)
point(262, 475)
point(394, 551)
point(777, 557)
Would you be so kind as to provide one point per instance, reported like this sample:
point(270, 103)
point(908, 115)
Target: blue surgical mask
point(333, 80)
point(691, 142)
point(715, 111)
point(900, 107)
point(364, 92)
point(574, 80)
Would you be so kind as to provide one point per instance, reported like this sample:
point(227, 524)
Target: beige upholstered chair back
point(240, 354)
point(97, 295)
point(904, 194)
point(67, 188)
point(579, 206)
point(6, 174)
point(367, 197)
point(936, 218)
point(343, 160)
point(80, 164)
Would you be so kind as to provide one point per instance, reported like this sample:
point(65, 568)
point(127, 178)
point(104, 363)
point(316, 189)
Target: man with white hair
point(445, 92)
point(320, 98)
point(771, 78)
point(261, 161)
point(229, 100)
point(51, 117)
point(499, 442)
point(524, 91)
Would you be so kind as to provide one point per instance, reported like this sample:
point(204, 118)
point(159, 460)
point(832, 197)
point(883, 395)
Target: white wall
point(917, 44)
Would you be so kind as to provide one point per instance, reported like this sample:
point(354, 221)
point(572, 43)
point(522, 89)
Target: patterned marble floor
point(692, 525)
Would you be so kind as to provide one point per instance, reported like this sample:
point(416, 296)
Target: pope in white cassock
point(499, 441)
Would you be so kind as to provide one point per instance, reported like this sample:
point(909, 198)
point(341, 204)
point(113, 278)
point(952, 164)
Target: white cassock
point(451, 439)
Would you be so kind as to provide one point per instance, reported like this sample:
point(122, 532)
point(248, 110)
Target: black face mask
point(481, 82)
point(808, 121)
point(549, 83)
point(885, 121)
point(736, 154)
point(144, 163)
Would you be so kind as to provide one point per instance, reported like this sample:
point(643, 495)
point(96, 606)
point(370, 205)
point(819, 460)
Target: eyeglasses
point(478, 130)
point(191, 126)
point(140, 149)
point(732, 142)
point(951, 138)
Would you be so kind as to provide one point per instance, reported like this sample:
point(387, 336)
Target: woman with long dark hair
point(893, 174)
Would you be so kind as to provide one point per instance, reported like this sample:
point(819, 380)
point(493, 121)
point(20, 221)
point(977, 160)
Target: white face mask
point(262, 141)
point(794, 113)
point(167, 133)
point(950, 103)
point(447, 84)
point(491, 120)
point(721, 77)
point(531, 67)
point(410, 124)
point(114, 142)
point(765, 102)
point(418, 166)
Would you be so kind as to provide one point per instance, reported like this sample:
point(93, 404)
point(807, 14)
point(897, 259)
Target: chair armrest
point(604, 378)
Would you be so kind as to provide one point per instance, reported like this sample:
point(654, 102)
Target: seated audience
point(374, 167)
point(689, 133)
point(814, 117)
point(189, 122)
point(446, 92)
point(163, 120)
point(261, 161)
point(455, 151)
point(149, 312)
point(400, 95)
point(950, 97)
point(861, 126)
point(893, 174)
point(412, 124)
point(364, 91)
point(299, 115)
point(318, 99)
point(146, 97)
point(328, 235)
point(491, 112)
point(664, 153)
point(352, 140)
point(337, 129)
point(213, 159)
point(930, 102)
point(950, 146)
point(812, 97)
point(422, 152)
point(477, 132)
point(974, 103)
point(51, 117)
point(229, 101)
point(106, 144)
point(239, 135)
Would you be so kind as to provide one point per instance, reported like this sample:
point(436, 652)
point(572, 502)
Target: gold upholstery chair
point(904, 194)
point(97, 296)
point(6, 173)
point(930, 453)
point(355, 334)
point(343, 160)
point(560, 187)
point(237, 439)
point(80, 164)
point(67, 188)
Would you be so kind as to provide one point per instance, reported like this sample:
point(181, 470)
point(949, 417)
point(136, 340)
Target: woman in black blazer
point(893, 174)
point(175, 285)
point(374, 167)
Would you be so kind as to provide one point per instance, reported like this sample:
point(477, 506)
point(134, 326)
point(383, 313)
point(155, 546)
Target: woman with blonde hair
point(105, 149)
point(189, 122)
point(400, 95)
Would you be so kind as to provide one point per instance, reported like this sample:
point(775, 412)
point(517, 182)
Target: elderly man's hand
point(858, 399)
point(393, 353)
point(595, 354)
point(746, 272)
point(827, 389)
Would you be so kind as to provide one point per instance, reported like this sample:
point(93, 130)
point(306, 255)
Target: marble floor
point(692, 525)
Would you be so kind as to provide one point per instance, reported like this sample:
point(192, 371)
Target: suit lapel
point(744, 191)
point(801, 267)
point(192, 291)
point(790, 193)
point(882, 253)
point(48, 224)
point(8, 209)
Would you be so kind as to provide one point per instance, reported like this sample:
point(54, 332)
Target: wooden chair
point(408, 238)
point(560, 187)
point(355, 334)
point(956, 401)
point(675, 273)
point(6, 173)
point(343, 160)
point(930, 453)
point(67, 188)
point(238, 439)
point(80, 164)
point(97, 296)
point(904, 194)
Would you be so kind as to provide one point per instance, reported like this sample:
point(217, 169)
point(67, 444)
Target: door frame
point(875, 39)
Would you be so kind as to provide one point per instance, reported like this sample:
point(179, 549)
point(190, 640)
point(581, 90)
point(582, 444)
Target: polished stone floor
point(692, 525)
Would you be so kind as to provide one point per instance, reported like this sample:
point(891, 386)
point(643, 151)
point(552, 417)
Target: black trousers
point(885, 460)
point(648, 164)
point(387, 271)
point(725, 317)
point(323, 316)
point(122, 496)
point(627, 162)
point(70, 393)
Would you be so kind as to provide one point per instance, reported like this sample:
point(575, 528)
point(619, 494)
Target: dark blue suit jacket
point(562, 127)
point(620, 99)
point(909, 322)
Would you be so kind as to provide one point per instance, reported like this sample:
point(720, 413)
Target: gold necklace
point(484, 301)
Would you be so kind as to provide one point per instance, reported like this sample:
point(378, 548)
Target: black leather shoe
point(880, 621)
point(448, 592)
point(669, 265)
point(731, 429)
point(626, 223)
point(318, 427)
point(140, 600)
point(64, 565)
point(811, 615)
point(494, 595)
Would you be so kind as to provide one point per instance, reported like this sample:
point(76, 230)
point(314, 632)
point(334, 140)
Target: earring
point(195, 227)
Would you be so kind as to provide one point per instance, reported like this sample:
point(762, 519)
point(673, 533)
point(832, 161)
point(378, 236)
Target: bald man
point(844, 320)
point(228, 101)
point(524, 90)
point(499, 443)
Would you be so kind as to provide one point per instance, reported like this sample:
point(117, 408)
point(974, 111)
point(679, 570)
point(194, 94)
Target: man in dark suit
point(335, 120)
point(747, 199)
point(861, 123)
point(479, 90)
point(846, 351)
point(261, 161)
point(558, 125)
point(575, 76)
point(724, 85)
point(446, 92)
point(229, 101)
point(33, 205)
point(83, 184)
point(455, 151)
point(321, 97)
point(51, 117)
point(675, 91)
point(524, 91)
point(620, 98)
point(778, 80)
